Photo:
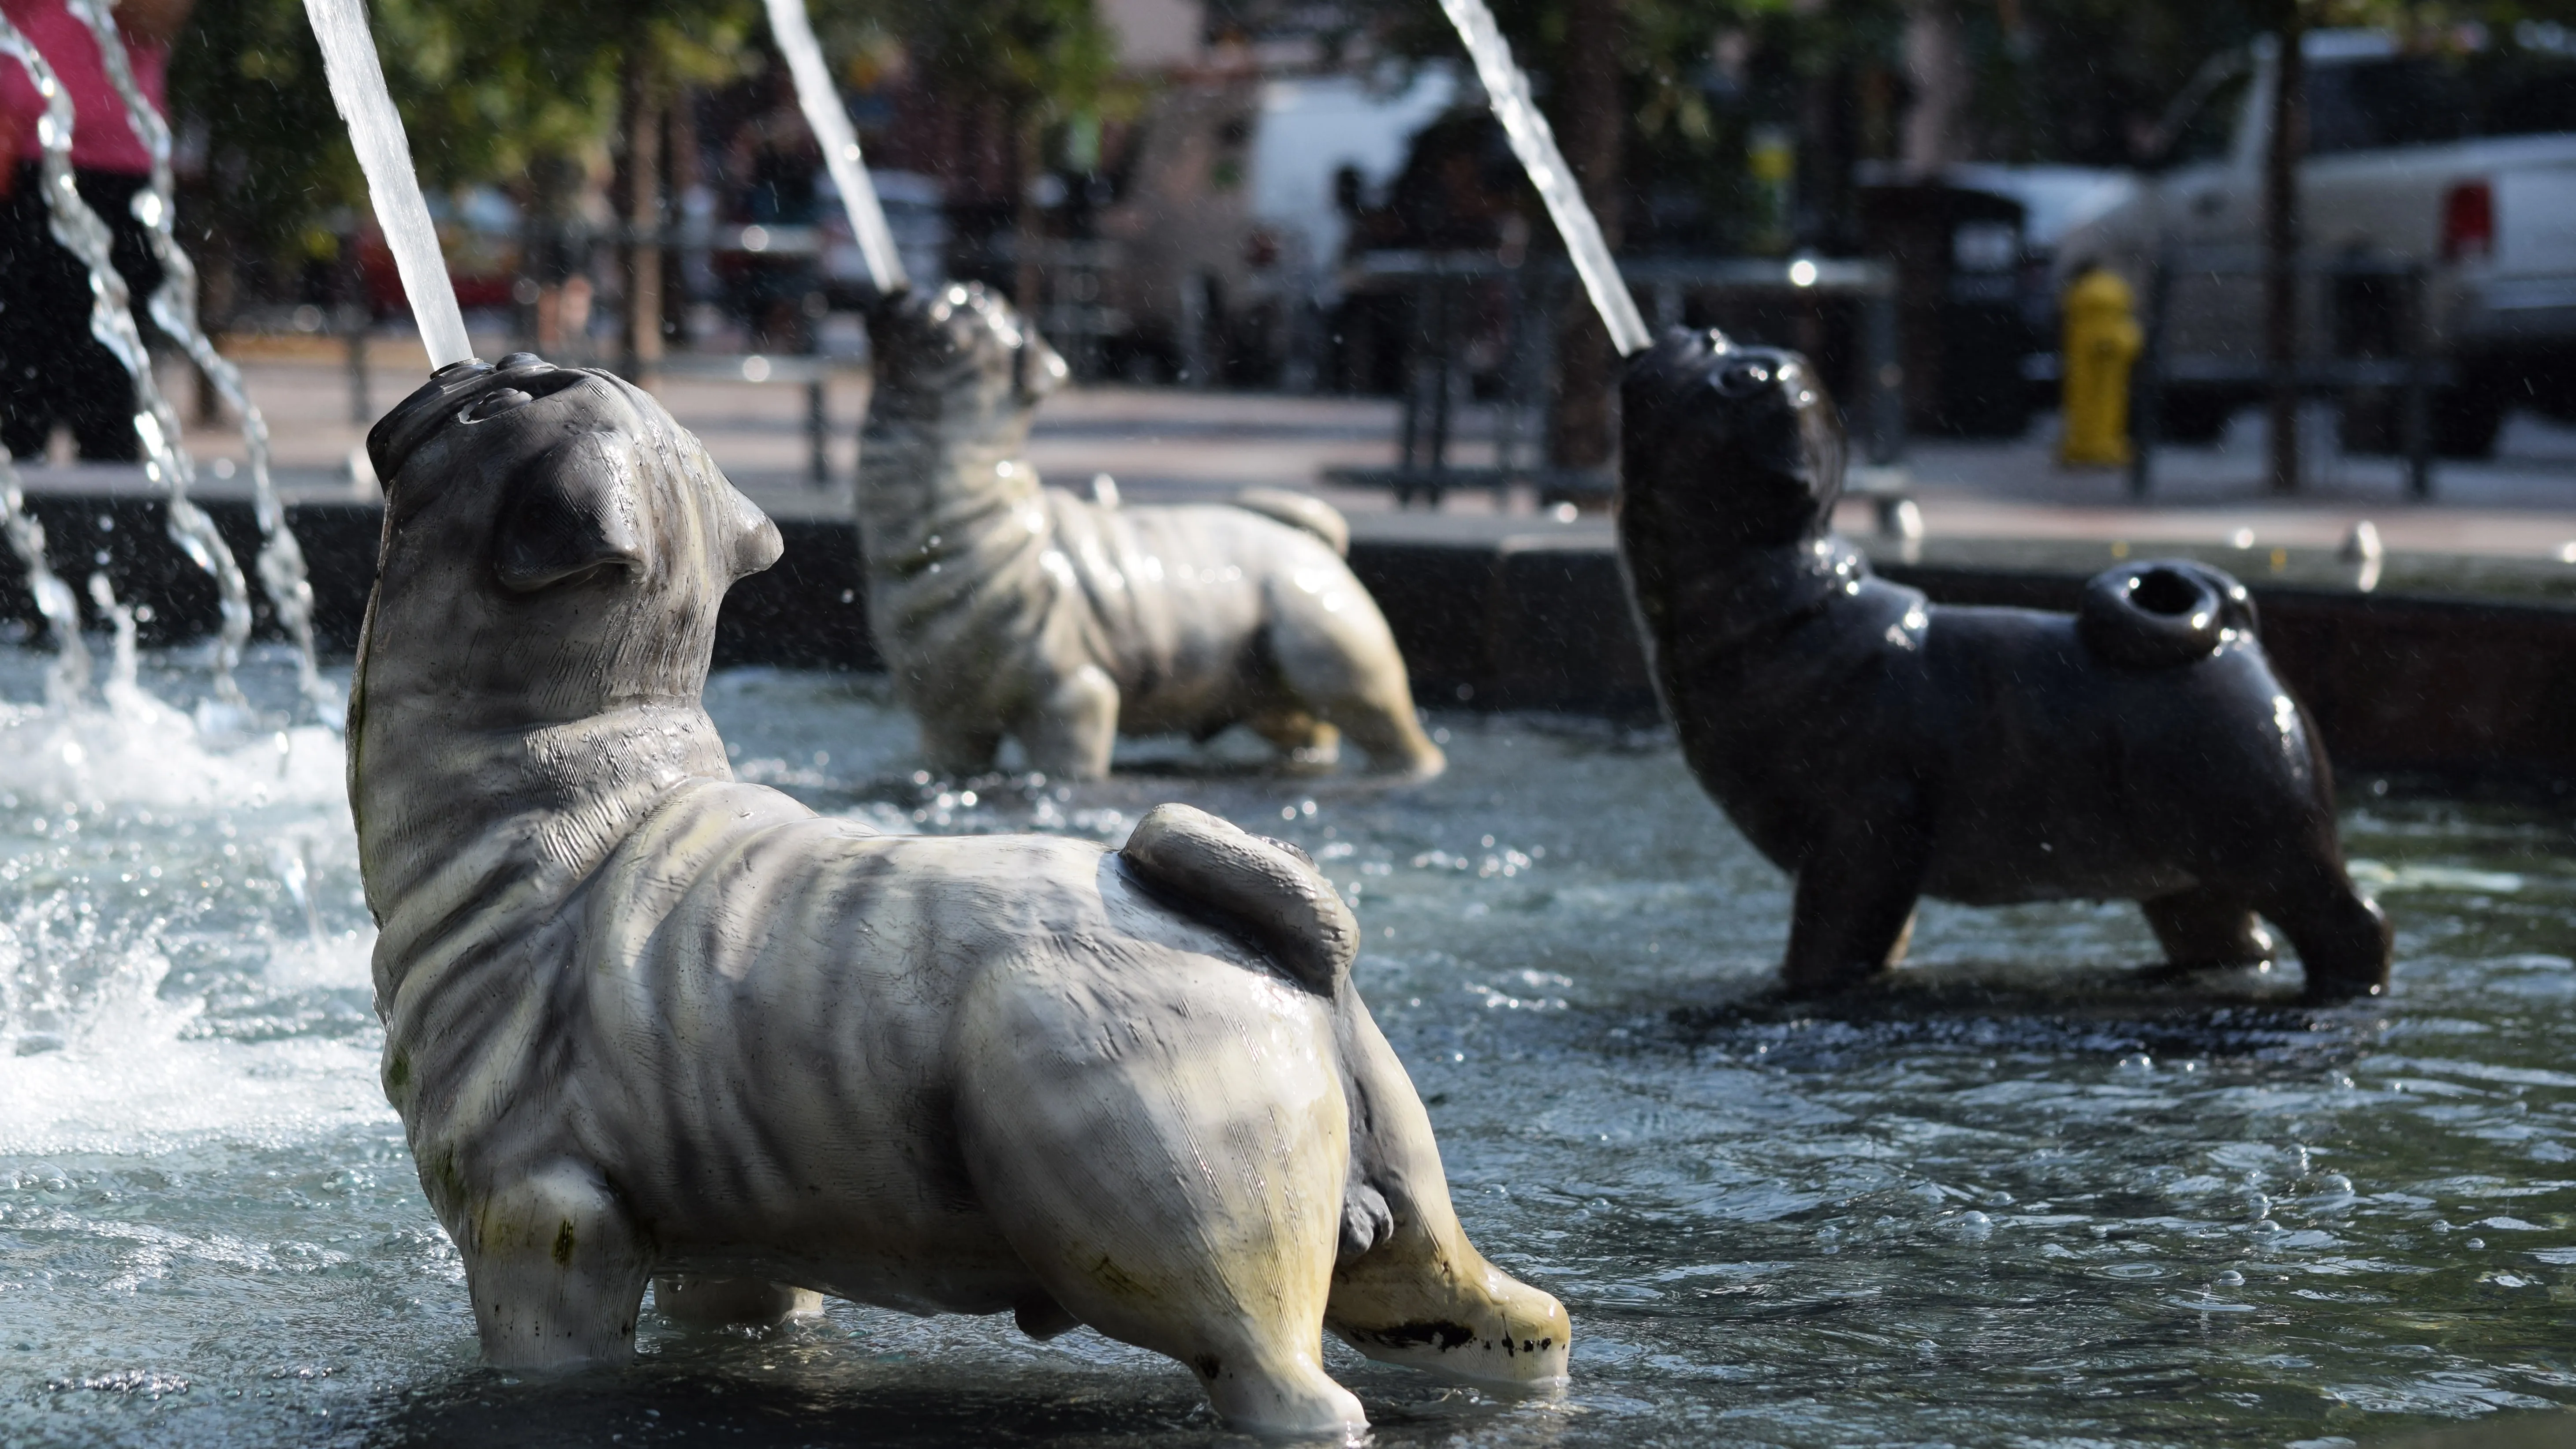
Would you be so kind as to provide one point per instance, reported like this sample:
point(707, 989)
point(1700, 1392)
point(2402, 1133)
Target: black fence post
point(2416, 418)
point(2147, 382)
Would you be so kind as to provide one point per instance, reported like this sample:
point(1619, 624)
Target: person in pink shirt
point(51, 370)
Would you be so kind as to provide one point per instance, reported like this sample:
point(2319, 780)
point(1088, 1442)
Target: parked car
point(2460, 160)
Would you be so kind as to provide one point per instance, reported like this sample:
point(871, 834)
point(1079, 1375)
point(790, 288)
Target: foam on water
point(162, 920)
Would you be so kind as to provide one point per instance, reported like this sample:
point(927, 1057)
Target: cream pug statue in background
point(1004, 608)
point(645, 1022)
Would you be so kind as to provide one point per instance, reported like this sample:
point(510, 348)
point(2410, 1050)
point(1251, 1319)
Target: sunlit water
point(2026, 1197)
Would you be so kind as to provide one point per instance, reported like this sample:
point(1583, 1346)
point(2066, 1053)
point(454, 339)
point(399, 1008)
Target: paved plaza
point(1166, 444)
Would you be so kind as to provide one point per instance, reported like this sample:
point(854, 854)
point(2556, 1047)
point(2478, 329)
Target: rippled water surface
point(2027, 1195)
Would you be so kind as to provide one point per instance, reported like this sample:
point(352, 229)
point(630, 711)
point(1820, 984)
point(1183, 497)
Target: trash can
point(1962, 330)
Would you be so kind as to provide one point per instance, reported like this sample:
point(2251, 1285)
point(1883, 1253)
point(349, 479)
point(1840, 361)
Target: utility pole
point(642, 108)
point(2289, 142)
point(1591, 127)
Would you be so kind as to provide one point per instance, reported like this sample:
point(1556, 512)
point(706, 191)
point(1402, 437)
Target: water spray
point(358, 89)
point(174, 308)
point(111, 321)
point(68, 680)
point(1535, 144)
point(821, 102)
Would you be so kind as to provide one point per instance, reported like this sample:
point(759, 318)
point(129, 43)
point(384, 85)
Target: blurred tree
point(1039, 64)
point(538, 97)
point(523, 95)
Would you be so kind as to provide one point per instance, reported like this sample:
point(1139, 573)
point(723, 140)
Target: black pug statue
point(1882, 748)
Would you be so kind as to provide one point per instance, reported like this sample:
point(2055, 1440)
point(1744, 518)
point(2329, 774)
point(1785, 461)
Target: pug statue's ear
point(575, 510)
point(756, 541)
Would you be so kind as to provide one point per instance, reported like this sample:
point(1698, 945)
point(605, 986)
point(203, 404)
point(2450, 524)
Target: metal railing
point(1532, 292)
point(2412, 373)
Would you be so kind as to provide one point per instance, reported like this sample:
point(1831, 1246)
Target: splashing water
point(179, 907)
point(120, 687)
point(111, 321)
point(821, 102)
point(174, 307)
point(358, 89)
point(68, 680)
point(1535, 144)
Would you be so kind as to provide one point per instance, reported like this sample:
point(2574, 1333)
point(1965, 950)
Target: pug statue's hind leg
point(1408, 1287)
point(1073, 730)
point(556, 1269)
point(1305, 744)
point(2202, 928)
point(2342, 936)
point(1094, 1151)
point(1341, 664)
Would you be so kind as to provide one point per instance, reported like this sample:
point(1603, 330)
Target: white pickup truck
point(2461, 161)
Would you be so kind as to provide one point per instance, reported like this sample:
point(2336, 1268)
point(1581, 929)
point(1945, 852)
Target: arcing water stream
point(111, 321)
point(174, 307)
point(358, 88)
point(1535, 144)
point(821, 102)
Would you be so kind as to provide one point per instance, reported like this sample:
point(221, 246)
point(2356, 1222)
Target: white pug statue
point(645, 1022)
point(1004, 608)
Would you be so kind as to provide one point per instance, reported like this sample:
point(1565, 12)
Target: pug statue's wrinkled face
point(960, 355)
point(554, 542)
point(1726, 444)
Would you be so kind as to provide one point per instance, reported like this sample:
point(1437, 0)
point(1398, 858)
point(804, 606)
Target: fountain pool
point(2026, 1196)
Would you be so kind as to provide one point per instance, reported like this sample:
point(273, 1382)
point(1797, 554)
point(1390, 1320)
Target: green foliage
point(1698, 76)
point(521, 94)
point(488, 90)
point(246, 81)
point(1044, 59)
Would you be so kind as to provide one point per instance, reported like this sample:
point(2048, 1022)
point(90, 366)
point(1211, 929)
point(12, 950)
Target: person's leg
point(32, 269)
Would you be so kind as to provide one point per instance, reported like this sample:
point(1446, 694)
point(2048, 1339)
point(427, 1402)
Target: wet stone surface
point(2026, 1194)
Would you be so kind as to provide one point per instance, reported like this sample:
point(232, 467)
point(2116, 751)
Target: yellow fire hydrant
point(2102, 340)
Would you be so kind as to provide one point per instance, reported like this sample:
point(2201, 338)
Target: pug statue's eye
point(494, 403)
